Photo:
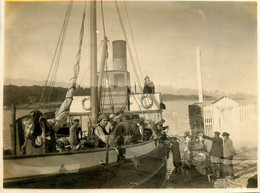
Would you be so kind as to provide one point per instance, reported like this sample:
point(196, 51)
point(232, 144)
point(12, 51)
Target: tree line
point(29, 95)
point(32, 94)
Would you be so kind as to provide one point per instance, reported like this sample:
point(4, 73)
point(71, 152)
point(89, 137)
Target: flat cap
point(101, 117)
point(217, 133)
point(225, 134)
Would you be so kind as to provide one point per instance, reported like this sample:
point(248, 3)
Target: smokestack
point(119, 55)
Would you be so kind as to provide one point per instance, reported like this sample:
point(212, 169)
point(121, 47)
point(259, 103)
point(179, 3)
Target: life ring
point(83, 104)
point(146, 101)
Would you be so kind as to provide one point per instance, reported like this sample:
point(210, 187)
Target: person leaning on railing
point(148, 86)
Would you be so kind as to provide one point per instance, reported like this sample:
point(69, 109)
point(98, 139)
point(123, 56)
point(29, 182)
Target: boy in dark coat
point(174, 146)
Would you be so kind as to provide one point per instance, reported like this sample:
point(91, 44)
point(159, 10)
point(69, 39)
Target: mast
point(93, 63)
point(199, 75)
point(101, 71)
point(200, 87)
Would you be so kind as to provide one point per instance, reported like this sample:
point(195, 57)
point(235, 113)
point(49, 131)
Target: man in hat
point(148, 86)
point(216, 153)
point(101, 134)
point(229, 152)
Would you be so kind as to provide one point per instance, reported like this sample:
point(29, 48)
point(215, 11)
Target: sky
point(166, 35)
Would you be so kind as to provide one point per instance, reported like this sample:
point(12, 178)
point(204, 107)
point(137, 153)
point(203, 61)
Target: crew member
point(75, 130)
point(101, 135)
point(148, 86)
point(216, 153)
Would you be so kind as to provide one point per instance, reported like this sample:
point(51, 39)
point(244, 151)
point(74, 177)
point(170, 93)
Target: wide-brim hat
point(225, 134)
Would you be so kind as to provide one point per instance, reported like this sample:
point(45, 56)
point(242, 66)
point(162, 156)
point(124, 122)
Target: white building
point(227, 115)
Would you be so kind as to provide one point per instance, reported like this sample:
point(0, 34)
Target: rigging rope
point(110, 92)
point(63, 111)
point(106, 66)
point(103, 19)
point(129, 49)
point(57, 49)
point(137, 58)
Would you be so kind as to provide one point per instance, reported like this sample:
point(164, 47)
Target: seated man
point(101, 134)
point(74, 134)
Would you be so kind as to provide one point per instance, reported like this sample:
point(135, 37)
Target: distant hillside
point(171, 97)
point(32, 94)
point(27, 82)
point(213, 93)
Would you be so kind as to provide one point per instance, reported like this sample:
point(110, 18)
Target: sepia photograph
point(158, 95)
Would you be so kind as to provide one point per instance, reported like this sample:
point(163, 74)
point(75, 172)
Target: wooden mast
point(200, 85)
point(93, 63)
point(200, 88)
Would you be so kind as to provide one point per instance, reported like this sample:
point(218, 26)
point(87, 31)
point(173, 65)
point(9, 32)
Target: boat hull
point(84, 169)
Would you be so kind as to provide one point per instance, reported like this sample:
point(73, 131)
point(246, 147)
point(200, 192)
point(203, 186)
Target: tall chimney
point(119, 55)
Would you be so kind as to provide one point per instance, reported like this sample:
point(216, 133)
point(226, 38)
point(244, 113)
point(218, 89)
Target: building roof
point(223, 97)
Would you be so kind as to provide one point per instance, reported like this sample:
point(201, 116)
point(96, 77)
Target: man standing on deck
point(148, 86)
point(216, 153)
point(229, 152)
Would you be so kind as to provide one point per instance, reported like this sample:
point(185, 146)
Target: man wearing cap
point(216, 153)
point(229, 152)
point(148, 86)
point(101, 135)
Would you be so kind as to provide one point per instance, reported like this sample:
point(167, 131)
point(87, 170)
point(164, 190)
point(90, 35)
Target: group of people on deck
point(221, 153)
point(116, 130)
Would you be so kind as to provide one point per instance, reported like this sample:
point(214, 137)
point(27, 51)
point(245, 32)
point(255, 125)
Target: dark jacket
point(175, 151)
point(217, 146)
